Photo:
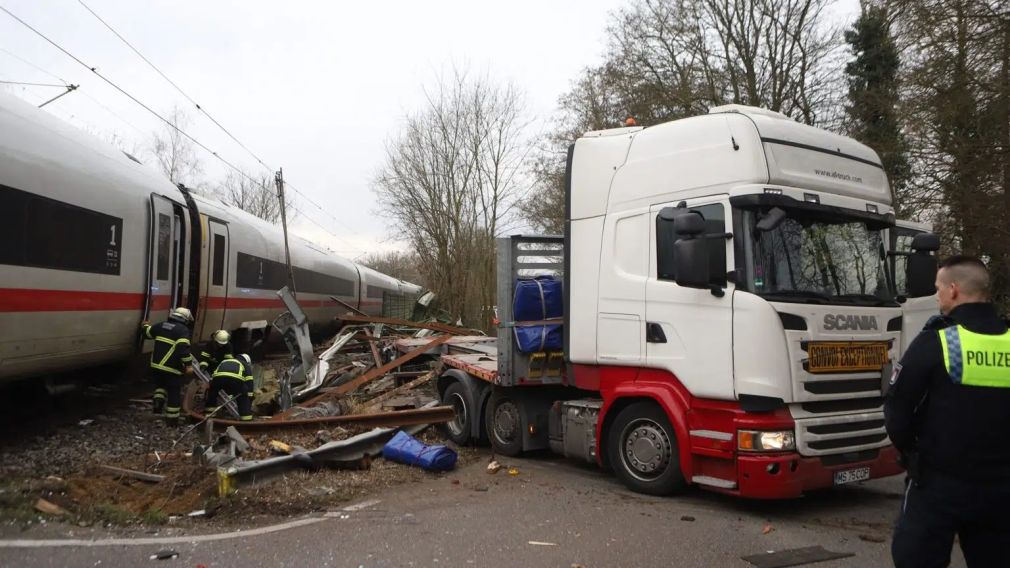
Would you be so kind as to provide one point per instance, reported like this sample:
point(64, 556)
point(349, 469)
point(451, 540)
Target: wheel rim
point(457, 426)
point(646, 449)
point(506, 423)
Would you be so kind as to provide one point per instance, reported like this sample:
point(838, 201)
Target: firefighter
point(216, 350)
point(170, 360)
point(234, 377)
point(948, 413)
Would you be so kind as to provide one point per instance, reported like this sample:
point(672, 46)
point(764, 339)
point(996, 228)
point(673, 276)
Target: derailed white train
point(92, 242)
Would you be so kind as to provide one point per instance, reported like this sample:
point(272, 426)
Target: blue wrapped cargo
point(538, 299)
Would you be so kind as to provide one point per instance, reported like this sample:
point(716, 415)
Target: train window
point(374, 292)
point(164, 245)
point(265, 274)
point(45, 233)
point(219, 249)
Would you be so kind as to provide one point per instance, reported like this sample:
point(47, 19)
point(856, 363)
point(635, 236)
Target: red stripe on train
point(28, 300)
point(33, 300)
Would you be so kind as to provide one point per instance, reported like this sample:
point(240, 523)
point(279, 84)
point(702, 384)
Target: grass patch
point(154, 516)
point(17, 507)
point(112, 514)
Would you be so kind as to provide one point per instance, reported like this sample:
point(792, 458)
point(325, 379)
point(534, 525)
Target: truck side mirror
point(771, 220)
point(920, 272)
point(691, 252)
point(926, 242)
point(689, 224)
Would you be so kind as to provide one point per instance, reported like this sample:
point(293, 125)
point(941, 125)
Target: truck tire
point(504, 425)
point(458, 429)
point(642, 448)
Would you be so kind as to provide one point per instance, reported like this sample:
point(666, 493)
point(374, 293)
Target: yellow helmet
point(182, 314)
point(221, 337)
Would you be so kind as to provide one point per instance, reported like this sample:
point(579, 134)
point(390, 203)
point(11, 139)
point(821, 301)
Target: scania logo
point(841, 322)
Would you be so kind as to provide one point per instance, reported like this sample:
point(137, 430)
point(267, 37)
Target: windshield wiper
point(874, 300)
point(810, 296)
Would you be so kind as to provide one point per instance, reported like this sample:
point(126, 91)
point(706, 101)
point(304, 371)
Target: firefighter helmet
point(182, 314)
point(245, 360)
point(222, 337)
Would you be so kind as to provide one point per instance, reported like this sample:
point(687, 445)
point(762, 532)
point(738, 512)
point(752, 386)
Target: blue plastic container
point(406, 449)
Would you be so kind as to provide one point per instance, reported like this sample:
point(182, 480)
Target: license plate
point(852, 475)
point(832, 357)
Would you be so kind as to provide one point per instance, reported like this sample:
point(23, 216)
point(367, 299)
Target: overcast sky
point(313, 87)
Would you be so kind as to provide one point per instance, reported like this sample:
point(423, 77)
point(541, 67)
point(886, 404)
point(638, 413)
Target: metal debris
point(339, 454)
point(794, 557)
point(133, 474)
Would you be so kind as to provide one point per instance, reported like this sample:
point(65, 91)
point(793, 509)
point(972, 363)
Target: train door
point(165, 259)
point(218, 269)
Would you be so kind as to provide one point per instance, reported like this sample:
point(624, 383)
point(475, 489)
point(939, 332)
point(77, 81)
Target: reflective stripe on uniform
point(172, 411)
point(976, 359)
point(232, 368)
point(246, 417)
point(168, 354)
point(159, 393)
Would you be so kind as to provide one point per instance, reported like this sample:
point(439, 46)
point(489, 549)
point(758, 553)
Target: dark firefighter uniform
point(948, 414)
point(212, 354)
point(232, 376)
point(169, 360)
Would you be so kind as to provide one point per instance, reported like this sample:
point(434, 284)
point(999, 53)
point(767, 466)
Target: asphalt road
point(554, 513)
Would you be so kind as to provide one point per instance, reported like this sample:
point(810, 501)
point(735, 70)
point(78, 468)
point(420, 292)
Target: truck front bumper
point(785, 476)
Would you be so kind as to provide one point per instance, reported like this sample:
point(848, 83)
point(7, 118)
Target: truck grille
point(844, 386)
point(846, 405)
point(839, 434)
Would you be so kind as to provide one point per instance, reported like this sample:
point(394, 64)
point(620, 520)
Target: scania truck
point(736, 291)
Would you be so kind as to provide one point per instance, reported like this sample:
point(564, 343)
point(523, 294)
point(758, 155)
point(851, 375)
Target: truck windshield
point(814, 257)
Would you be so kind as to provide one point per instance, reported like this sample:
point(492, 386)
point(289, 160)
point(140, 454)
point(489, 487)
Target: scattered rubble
point(323, 417)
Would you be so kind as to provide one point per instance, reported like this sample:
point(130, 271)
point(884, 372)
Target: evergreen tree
point(872, 109)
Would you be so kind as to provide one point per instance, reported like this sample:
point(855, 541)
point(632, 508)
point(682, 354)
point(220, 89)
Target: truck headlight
point(757, 441)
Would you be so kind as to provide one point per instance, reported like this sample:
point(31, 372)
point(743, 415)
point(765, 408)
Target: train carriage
point(92, 242)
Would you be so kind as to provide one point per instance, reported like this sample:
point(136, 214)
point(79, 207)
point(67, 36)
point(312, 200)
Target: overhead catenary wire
point(170, 123)
point(33, 84)
point(202, 110)
point(83, 92)
point(33, 66)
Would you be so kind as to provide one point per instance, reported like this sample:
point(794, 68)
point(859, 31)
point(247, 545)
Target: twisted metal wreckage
point(312, 395)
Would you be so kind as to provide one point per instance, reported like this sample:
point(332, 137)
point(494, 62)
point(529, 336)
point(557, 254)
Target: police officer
point(233, 376)
point(169, 361)
point(948, 414)
point(216, 350)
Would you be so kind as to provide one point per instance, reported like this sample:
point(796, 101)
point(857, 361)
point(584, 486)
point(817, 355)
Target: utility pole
point(70, 88)
point(279, 180)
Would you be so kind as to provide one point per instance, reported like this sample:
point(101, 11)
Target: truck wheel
point(642, 448)
point(504, 425)
point(458, 429)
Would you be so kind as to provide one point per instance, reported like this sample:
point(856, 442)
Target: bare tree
point(450, 182)
point(404, 265)
point(669, 59)
point(957, 110)
point(174, 153)
point(254, 194)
